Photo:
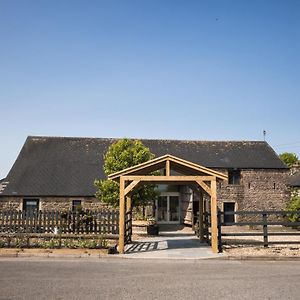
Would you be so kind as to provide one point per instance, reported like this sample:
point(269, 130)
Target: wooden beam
point(129, 209)
point(201, 231)
point(173, 179)
point(122, 217)
point(204, 186)
point(198, 168)
point(141, 166)
point(157, 162)
point(214, 217)
point(168, 171)
point(128, 204)
point(131, 186)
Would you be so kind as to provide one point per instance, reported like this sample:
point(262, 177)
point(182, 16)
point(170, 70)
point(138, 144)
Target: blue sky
point(203, 70)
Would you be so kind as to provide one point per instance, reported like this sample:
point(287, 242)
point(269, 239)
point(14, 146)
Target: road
point(114, 278)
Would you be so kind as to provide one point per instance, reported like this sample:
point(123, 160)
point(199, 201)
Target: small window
point(229, 208)
point(30, 204)
point(76, 205)
point(234, 176)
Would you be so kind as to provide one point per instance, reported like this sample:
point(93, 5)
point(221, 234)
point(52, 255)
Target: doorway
point(167, 209)
point(229, 207)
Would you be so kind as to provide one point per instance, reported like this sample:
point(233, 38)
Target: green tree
point(294, 205)
point(289, 158)
point(123, 154)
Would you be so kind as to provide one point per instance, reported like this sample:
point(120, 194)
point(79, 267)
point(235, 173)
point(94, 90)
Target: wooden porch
point(175, 171)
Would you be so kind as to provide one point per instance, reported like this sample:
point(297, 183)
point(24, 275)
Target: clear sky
point(203, 70)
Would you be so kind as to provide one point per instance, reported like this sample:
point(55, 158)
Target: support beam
point(214, 217)
point(168, 171)
point(131, 186)
point(201, 231)
point(122, 217)
point(172, 179)
point(129, 210)
point(128, 203)
point(205, 187)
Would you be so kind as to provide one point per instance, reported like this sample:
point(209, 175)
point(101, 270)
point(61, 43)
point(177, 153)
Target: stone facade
point(258, 190)
point(51, 203)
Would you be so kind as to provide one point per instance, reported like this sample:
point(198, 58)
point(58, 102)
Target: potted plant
point(152, 227)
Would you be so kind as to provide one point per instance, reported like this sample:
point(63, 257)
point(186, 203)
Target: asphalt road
point(114, 278)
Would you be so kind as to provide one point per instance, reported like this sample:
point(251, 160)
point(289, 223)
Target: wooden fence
point(45, 222)
point(262, 221)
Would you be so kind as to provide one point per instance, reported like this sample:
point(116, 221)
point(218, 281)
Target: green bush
point(51, 244)
point(293, 205)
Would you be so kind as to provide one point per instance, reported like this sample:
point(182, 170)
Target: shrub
point(293, 205)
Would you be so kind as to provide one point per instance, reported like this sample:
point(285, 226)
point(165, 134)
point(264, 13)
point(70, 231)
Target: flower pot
point(152, 229)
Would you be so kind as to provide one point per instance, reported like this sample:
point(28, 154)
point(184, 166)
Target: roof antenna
point(264, 133)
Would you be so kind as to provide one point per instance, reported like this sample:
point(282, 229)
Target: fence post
point(265, 229)
point(220, 246)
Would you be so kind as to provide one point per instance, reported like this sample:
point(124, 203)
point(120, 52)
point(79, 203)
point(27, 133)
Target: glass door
point(167, 209)
point(162, 209)
point(173, 208)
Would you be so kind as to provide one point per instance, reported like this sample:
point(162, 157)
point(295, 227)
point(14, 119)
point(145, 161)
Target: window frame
point(232, 175)
point(25, 205)
point(75, 206)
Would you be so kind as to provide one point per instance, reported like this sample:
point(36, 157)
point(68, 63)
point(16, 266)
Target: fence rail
point(261, 218)
point(67, 222)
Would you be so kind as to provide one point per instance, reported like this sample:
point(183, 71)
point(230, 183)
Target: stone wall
point(258, 190)
point(51, 203)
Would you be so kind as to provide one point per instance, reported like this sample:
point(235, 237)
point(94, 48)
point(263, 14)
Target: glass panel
point(162, 208)
point(30, 205)
point(76, 205)
point(174, 208)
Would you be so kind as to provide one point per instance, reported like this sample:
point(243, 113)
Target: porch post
point(201, 231)
point(129, 210)
point(214, 220)
point(122, 217)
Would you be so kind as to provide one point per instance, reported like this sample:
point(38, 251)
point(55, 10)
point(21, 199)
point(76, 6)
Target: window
point(234, 176)
point(229, 208)
point(76, 205)
point(30, 204)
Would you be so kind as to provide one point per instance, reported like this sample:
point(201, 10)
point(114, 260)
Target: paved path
point(170, 245)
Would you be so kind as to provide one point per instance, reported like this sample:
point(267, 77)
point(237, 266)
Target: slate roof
point(62, 166)
point(295, 180)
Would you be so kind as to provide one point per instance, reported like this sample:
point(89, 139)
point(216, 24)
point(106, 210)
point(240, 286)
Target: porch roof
point(174, 163)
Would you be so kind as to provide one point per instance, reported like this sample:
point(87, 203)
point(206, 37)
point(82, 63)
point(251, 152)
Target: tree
point(289, 158)
point(123, 154)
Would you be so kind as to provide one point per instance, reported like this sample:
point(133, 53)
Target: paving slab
point(170, 246)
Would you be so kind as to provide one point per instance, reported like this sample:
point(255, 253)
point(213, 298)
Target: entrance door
point(229, 207)
point(167, 209)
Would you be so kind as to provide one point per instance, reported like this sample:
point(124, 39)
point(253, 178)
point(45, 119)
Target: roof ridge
point(146, 139)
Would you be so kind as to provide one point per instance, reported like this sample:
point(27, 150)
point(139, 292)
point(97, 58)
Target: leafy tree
point(289, 158)
point(123, 154)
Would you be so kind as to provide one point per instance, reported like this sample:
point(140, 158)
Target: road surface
point(115, 278)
